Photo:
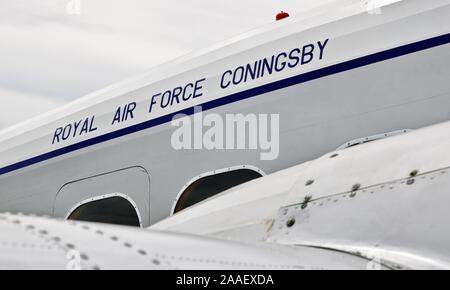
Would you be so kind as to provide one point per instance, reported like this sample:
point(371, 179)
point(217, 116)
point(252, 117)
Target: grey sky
point(49, 57)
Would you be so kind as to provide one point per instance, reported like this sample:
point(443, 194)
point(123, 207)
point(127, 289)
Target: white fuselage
point(331, 77)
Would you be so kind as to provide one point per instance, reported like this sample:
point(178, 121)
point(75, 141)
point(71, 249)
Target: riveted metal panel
point(402, 222)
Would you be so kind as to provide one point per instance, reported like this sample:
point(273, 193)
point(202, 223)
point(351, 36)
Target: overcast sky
point(49, 57)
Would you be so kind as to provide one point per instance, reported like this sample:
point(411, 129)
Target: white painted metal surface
point(403, 222)
point(34, 137)
point(297, 212)
point(42, 243)
point(387, 200)
point(378, 73)
point(246, 211)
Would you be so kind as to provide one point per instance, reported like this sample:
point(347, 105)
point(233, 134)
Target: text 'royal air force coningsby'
point(256, 69)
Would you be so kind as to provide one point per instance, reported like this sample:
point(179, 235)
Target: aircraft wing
point(29, 242)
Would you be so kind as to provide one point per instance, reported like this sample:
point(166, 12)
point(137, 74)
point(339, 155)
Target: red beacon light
point(281, 15)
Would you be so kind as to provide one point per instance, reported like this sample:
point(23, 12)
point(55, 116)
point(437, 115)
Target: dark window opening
point(211, 185)
point(114, 210)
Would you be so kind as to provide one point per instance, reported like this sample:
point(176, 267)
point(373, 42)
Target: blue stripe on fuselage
point(298, 79)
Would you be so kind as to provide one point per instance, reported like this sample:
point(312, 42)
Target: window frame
point(212, 173)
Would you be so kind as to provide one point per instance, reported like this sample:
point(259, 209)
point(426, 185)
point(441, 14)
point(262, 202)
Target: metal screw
point(290, 223)
point(413, 173)
point(306, 200)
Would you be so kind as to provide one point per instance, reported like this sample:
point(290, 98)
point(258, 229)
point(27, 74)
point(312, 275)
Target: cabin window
point(113, 210)
point(209, 186)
